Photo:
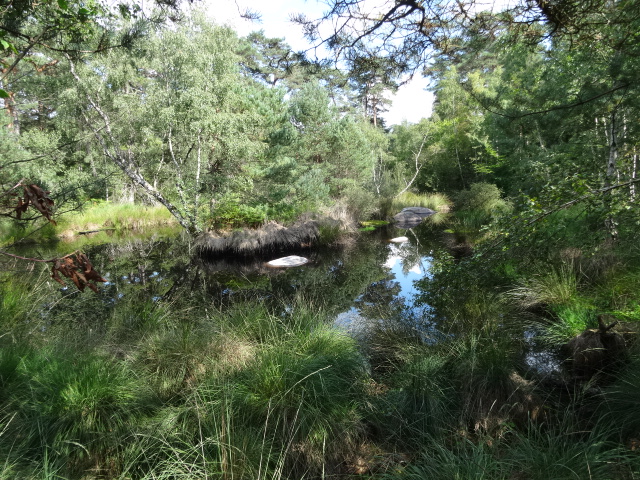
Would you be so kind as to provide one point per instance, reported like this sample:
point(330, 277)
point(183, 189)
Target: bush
point(483, 197)
point(231, 213)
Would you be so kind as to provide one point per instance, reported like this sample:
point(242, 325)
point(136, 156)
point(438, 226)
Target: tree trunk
point(610, 222)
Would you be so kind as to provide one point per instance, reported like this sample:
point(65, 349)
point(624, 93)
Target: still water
point(367, 279)
point(367, 282)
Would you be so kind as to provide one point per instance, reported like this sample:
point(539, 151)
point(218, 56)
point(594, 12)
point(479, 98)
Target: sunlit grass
point(101, 219)
point(552, 286)
point(435, 201)
point(117, 216)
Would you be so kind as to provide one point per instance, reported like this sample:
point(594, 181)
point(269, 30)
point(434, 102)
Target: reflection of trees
point(151, 278)
point(380, 300)
point(335, 278)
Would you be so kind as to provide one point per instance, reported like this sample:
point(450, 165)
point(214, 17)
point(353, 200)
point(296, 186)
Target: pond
point(367, 279)
point(364, 283)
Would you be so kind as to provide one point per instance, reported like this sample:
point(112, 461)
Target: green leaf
point(63, 4)
point(4, 44)
point(3, 94)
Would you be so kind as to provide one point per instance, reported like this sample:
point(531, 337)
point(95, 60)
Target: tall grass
point(97, 216)
point(20, 300)
point(435, 201)
point(149, 389)
point(119, 216)
point(464, 460)
point(565, 450)
point(618, 405)
point(69, 410)
point(552, 286)
point(556, 294)
point(542, 452)
point(288, 409)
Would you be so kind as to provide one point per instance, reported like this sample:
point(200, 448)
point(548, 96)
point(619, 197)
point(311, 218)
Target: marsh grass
point(119, 216)
point(114, 217)
point(435, 201)
point(551, 286)
point(569, 321)
point(557, 295)
point(464, 460)
point(69, 408)
point(618, 405)
point(250, 393)
point(414, 402)
point(303, 390)
point(12, 232)
point(269, 390)
point(565, 450)
point(484, 368)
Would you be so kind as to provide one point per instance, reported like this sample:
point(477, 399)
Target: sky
point(411, 103)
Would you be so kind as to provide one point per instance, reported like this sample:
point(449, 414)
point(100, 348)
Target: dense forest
point(529, 160)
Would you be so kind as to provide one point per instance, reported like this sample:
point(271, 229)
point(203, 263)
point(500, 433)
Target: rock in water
point(411, 216)
point(399, 240)
point(290, 261)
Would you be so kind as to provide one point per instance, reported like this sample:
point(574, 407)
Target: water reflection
point(394, 295)
point(370, 278)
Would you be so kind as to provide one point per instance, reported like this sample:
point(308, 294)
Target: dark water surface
point(370, 278)
point(368, 282)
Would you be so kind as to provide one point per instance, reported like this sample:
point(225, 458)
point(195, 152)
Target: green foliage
point(435, 201)
point(555, 286)
point(462, 461)
point(419, 403)
point(563, 451)
point(75, 404)
point(231, 213)
point(483, 197)
point(617, 406)
point(571, 320)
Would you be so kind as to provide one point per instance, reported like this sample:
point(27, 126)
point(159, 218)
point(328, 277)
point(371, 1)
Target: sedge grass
point(552, 286)
point(618, 405)
point(119, 216)
point(435, 201)
point(464, 460)
point(565, 451)
point(484, 369)
point(300, 393)
point(72, 408)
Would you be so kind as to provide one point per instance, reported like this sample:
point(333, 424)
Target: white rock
point(399, 240)
point(291, 261)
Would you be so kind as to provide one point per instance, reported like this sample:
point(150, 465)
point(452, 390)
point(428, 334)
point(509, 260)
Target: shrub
point(483, 197)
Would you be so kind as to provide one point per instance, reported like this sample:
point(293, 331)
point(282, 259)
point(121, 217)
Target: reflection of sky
point(405, 274)
point(402, 272)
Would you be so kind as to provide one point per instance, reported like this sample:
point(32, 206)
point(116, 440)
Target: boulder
point(290, 261)
point(411, 216)
point(595, 350)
